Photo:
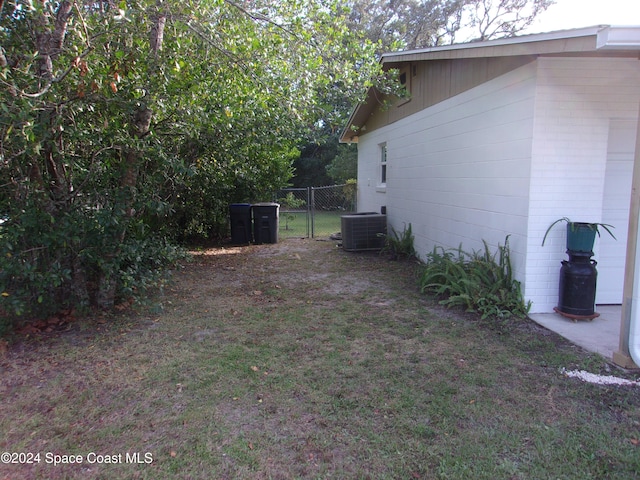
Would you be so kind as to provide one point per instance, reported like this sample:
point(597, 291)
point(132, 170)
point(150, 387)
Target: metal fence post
point(308, 211)
point(313, 210)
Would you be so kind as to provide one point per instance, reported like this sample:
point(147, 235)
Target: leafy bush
point(350, 194)
point(400, 245)
point(479, 281)
point(76, 259)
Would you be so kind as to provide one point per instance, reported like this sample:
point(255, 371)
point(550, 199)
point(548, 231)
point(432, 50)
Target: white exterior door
point(615, 211)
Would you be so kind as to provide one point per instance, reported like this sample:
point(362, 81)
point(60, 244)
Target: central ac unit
point(363, 231)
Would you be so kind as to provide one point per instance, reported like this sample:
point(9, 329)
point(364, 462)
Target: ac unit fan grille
point(365, 231)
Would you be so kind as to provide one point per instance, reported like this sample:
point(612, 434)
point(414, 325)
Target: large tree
point(119, 120)
point(410, 24)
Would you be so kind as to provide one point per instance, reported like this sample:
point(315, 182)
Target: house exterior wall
point(576, 100)
point(458, 171)
point(507, 157)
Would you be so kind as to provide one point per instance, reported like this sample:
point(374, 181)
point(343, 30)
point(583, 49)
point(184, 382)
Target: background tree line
point(128, 127)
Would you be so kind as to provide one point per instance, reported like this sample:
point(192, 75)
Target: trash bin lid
point(240, 207)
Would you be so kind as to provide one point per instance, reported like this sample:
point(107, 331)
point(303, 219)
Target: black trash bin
point(265, 222)
point(240, 218)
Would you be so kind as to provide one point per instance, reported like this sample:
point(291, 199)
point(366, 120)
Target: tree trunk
point(107, 286)
point(157, 34)
point(49, 41)
point(141, 121)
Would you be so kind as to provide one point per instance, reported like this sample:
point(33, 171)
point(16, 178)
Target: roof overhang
point(599, 40)
point(619, 38)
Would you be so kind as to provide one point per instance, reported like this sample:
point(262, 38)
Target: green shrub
point(400, 245)
point(478, 282)
point(76, 259)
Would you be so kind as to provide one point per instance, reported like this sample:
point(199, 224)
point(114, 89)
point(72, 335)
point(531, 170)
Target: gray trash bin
point(240, 219)
point(265, 222)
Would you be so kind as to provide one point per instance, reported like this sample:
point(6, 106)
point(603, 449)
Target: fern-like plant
point(480, 282)
point(399, 245)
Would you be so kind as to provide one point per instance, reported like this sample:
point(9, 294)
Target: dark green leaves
point(144, 120)
point(480, 281)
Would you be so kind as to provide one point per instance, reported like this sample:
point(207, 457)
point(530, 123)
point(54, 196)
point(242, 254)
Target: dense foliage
point(325, 162)
point(480, 282)
point(124, 125)
point(400, 245)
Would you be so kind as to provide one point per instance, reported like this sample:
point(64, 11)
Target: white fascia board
point(531, 38)
point(619, 38)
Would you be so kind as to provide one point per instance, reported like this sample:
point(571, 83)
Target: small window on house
point(404, 78)
point(383, 164)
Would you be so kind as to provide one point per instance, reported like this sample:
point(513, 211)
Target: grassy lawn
point(294, 224)
point(298, 360)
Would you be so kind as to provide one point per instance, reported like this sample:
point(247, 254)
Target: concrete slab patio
point(600, 335)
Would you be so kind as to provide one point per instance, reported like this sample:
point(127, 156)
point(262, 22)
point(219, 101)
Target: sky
point(586, 13)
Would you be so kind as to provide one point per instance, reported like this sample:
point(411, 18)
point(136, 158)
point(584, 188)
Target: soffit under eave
point(555, 46)
point(360, 115)
point(582, 46)
point(561, 46)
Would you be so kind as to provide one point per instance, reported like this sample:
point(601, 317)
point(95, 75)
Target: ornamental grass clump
point(480, 281)
point(399, 245)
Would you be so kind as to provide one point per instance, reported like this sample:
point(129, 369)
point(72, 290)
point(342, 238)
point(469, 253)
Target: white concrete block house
point(502, 138)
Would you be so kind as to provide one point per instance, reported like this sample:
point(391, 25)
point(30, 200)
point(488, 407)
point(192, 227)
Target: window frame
point(382, 165)
point(406, 72)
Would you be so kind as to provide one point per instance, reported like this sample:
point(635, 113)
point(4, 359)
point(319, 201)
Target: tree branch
point(261, 18)
point(157, 30)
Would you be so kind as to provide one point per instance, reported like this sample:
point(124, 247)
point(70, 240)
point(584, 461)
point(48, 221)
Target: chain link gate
point(314, 211)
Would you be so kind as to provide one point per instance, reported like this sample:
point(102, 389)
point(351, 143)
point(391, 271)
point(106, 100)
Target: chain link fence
point(314, 211)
